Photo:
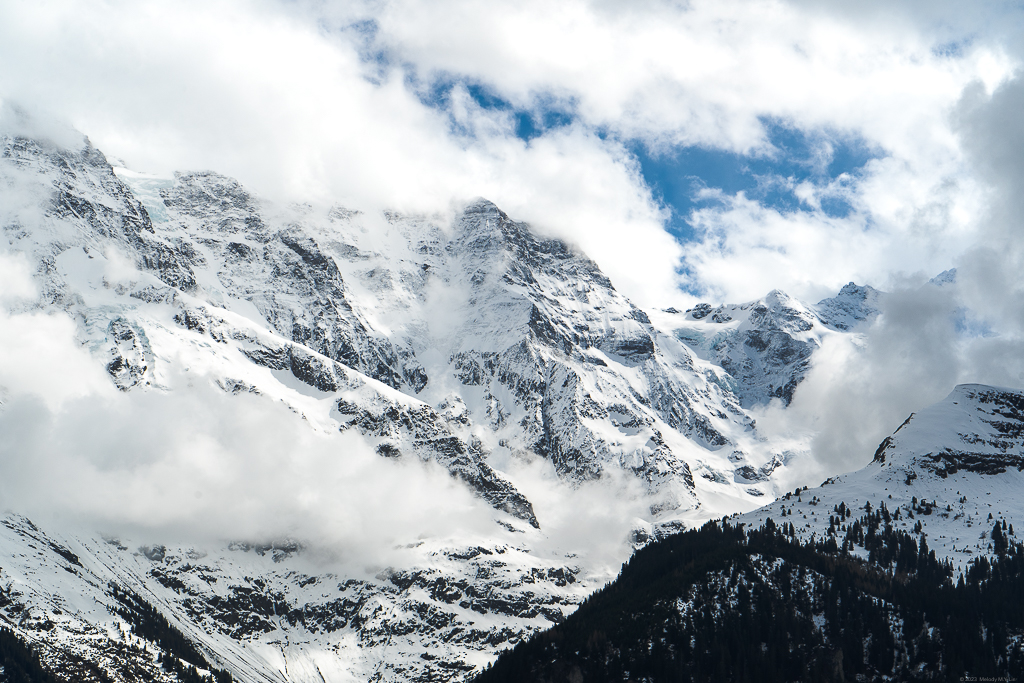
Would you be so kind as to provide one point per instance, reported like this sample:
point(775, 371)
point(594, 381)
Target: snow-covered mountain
point(765, 346)
point(478, 339)
point(948, 474)
point(466, 341)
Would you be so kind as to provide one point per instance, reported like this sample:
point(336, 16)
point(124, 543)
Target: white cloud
point(185, 461)
point(902, 221)
point(193, 464)
point(704, 73)
point(710, 74)
point(38, 352)
point(929, 338)
point(201, 465)
point(16, 283)
point(860, 389)
point(189, 460)
point(278, 95)
point(196, 463)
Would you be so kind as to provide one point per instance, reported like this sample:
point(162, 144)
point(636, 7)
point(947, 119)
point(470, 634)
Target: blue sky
point(676, 175)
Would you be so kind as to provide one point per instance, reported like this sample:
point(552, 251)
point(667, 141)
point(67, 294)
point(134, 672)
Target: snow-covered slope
point(268, 612)
point(949, 473)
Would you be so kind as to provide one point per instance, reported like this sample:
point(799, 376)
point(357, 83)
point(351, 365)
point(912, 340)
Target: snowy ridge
point(948, 473)
point(265, 614)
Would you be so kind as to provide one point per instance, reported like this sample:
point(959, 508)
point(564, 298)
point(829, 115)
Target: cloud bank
point(340, 103)
point(187, 462)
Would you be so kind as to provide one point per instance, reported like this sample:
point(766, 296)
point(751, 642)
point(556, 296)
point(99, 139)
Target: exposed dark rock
point(130, 353)
point(700, 311)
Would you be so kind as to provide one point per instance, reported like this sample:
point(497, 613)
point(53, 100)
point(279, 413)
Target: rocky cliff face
point(467, 341)
point(765, 346)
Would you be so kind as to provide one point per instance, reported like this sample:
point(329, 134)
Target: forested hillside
point(723, 603)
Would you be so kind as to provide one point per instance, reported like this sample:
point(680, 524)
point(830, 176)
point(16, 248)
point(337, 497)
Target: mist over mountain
point(396, 401)
point(405, 341)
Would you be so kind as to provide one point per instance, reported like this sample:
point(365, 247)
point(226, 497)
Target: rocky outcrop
point(766, 345)
point(852, 306)
point(131, 355)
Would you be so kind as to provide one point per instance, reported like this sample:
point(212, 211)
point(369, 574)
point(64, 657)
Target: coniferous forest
point(722, 603)
point(18, 663)
point(178, 655)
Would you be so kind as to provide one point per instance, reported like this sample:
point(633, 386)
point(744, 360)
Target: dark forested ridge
point(722, 603)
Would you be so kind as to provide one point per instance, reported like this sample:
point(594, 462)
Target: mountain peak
point(946, 277)
point(853, 305)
